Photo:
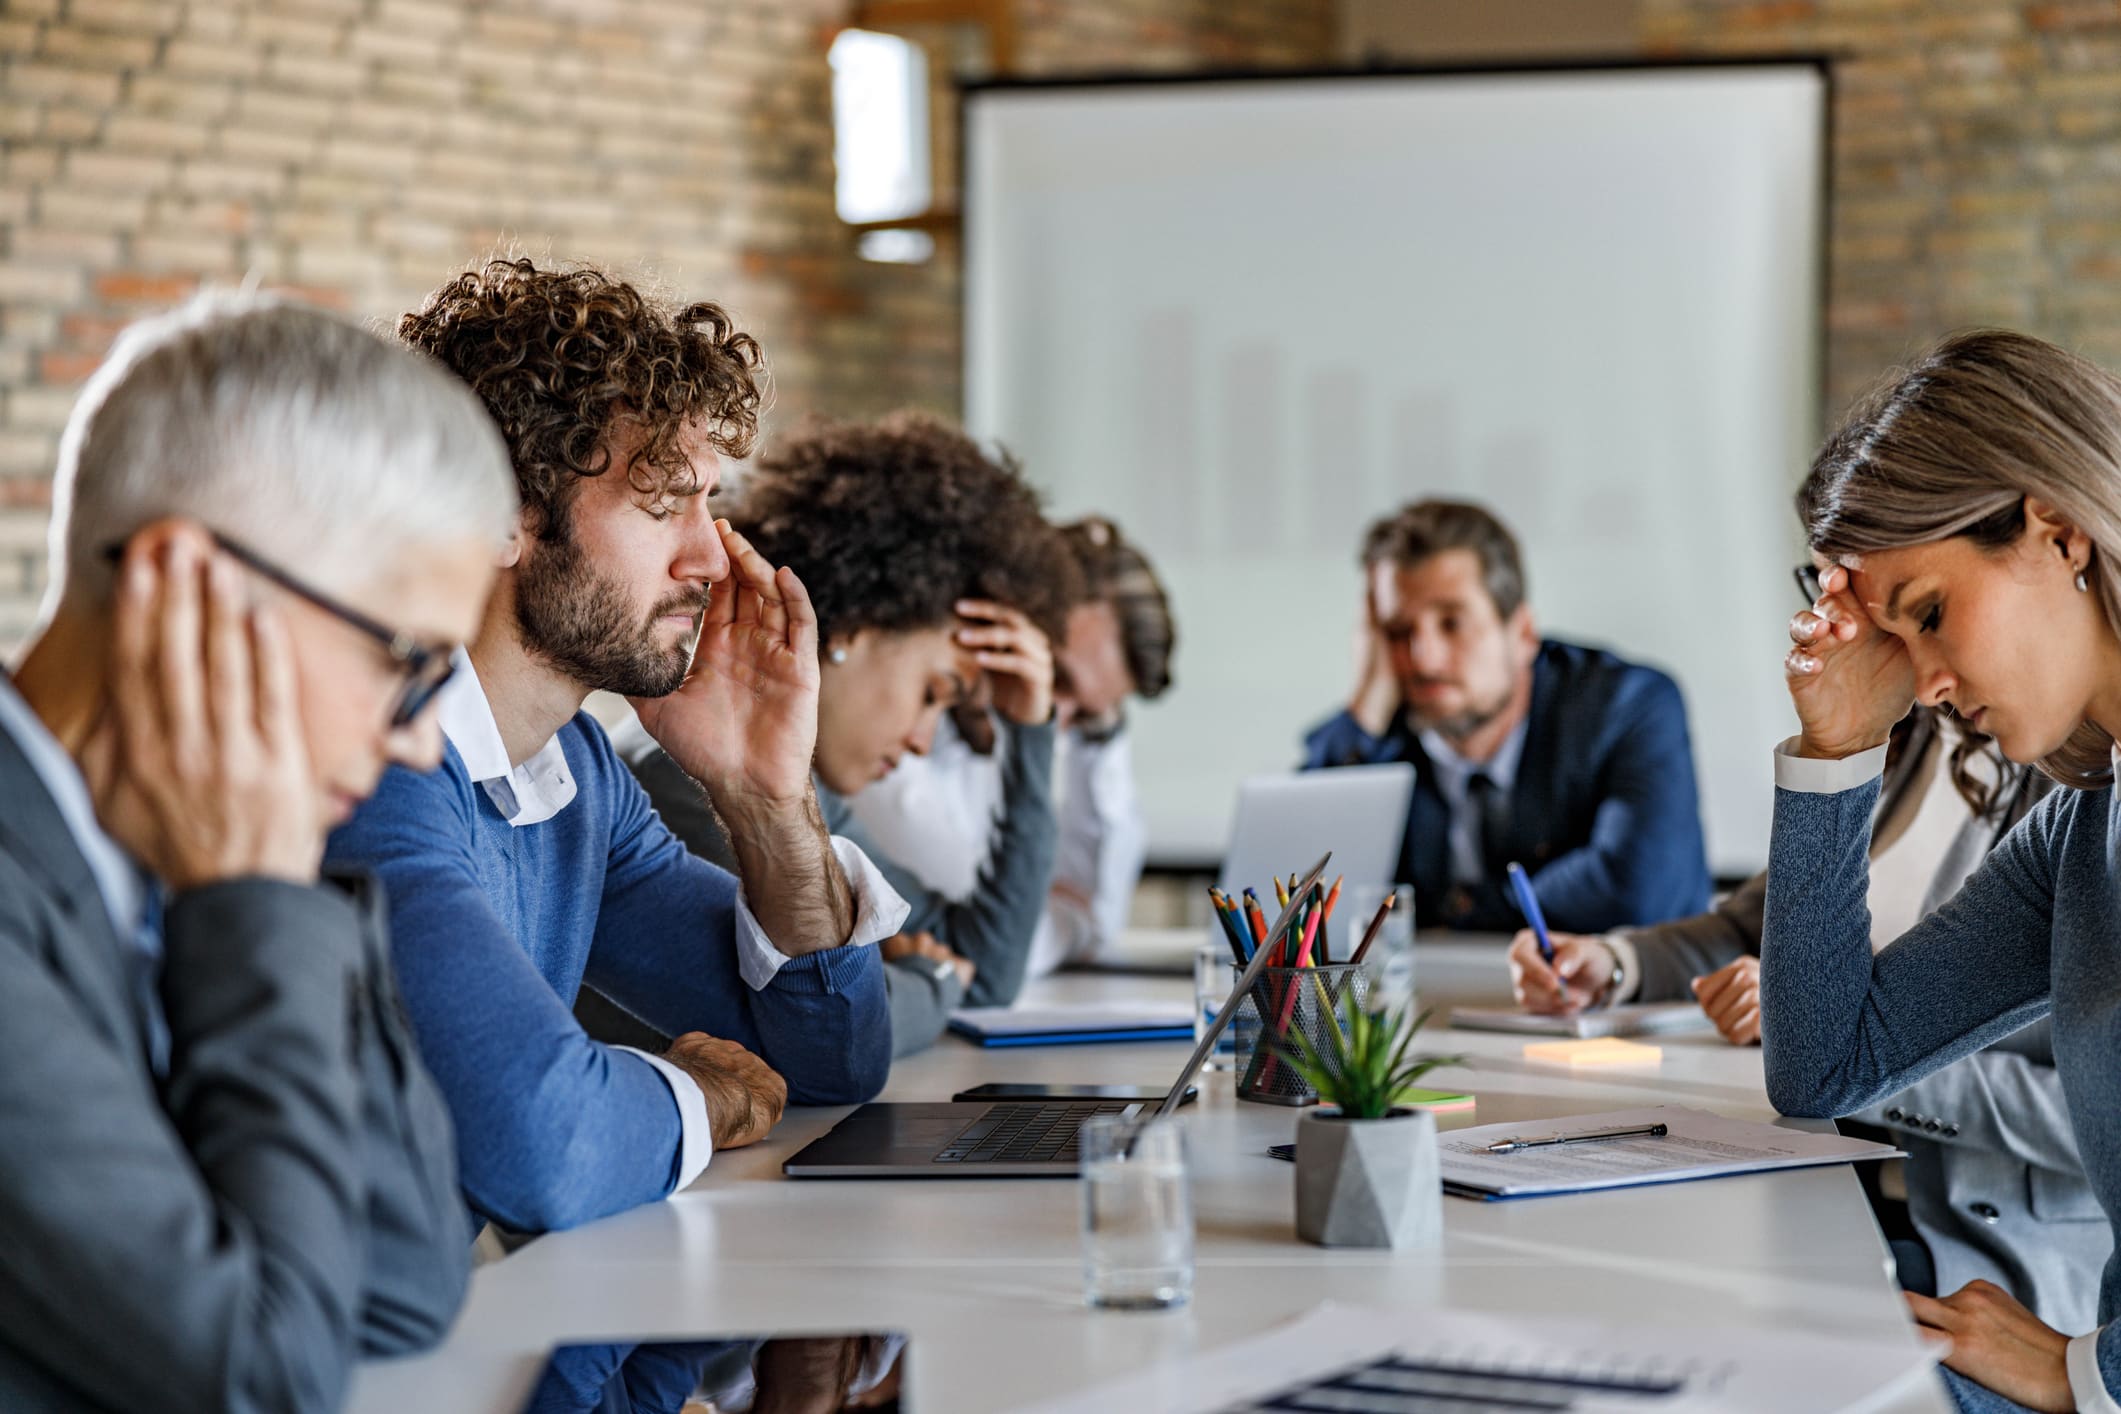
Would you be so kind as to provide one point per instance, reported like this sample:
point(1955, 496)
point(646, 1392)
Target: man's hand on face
point(1377, 696)
point(745, 1096)
point(198, 766)
point(744, 722)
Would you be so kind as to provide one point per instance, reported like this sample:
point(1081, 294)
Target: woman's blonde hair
point(1954, 445)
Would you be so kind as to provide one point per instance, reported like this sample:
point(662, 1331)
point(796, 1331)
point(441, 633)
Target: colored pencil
point(1256, 917)
point(1281, 893)
point(1226, 918)
point(1290, 988)
point(1333, 897)
point(1370, 934)
point(1311, 921)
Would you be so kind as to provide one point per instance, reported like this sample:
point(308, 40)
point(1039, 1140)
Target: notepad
point(1074, 1025)
point(1365, 1360)
point(1698, 1144)
point(1599, 1051)
point(1632, 1019)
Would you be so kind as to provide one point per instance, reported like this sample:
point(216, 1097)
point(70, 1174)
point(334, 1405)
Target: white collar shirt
point(1454, 776)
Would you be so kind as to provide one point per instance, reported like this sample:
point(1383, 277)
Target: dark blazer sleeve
point(1644, 861)
point(205, 1249)
point(1340, 741)
point(419, 1231)
point(1671, 955)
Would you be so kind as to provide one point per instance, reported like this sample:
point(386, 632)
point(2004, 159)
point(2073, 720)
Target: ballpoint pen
point(1511, 1146)
point(1528, 905)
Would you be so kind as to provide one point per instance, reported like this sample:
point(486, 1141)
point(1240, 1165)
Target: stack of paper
point(1632, 1019)
point(1376, 1362)
point(1697, 1144)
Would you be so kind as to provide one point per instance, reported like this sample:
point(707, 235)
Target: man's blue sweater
point(493, 930)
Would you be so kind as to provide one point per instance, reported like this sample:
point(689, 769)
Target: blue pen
point(1528, 905)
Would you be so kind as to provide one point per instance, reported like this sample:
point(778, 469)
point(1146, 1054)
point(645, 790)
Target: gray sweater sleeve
point(921, 1001)
point(992, 929)
point(1671, 955)
point(1840, 1028)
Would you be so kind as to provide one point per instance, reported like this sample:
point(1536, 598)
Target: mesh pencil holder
point(1310, 1001)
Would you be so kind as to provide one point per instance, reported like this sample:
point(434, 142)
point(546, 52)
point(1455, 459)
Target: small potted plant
point(1366, 1163)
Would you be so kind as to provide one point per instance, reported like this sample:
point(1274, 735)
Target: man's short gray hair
point(325, 448)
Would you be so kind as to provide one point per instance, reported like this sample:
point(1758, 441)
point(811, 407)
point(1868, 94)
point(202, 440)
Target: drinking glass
point(1137, 1214)
point(1211, 988)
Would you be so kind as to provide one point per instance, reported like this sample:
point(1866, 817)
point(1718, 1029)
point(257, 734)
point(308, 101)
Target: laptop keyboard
point(1023, 1132)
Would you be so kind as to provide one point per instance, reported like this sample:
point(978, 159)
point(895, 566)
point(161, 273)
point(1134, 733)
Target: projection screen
point(1245, 317)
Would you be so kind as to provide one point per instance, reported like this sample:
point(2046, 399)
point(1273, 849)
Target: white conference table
point(986, 1278)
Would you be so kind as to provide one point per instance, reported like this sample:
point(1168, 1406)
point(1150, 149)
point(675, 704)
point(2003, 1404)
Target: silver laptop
point(1358, 813)
point(1016, 1139)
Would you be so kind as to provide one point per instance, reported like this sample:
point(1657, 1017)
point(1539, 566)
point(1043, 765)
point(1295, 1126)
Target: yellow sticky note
point(1605, 1050)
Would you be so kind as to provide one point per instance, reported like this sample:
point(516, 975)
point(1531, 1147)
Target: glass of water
point(1137, 1214)
point(1391, 957)
point(1211, 988)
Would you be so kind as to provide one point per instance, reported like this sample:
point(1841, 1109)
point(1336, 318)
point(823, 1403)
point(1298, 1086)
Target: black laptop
point(1017, 1139)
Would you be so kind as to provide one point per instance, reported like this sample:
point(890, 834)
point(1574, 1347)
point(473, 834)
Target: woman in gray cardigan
point(932, 571)
point(1968, 523)
point(1994, 1187)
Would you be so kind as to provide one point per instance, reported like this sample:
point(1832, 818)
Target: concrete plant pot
point(1368, 1182)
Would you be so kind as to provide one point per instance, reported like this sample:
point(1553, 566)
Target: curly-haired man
point(532, 861)
point(935, 576)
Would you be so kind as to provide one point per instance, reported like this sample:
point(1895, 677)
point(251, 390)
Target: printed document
point(1363, 1360)
point(1698, 1144)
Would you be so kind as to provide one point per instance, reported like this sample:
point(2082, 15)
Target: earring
point(2083, 584)
point(839, 655)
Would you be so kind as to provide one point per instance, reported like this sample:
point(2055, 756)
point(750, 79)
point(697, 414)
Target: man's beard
point(1460, 725)
point(577, 620)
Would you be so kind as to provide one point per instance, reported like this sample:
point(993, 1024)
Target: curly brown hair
point(890, 523)
point(560, 356)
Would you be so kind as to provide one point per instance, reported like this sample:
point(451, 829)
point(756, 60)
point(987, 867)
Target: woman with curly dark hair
point(935, 578)
point(932, 814)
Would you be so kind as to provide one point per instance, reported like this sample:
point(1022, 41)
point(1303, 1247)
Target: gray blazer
point(992, 928)
point(1994, 1183)
point(229, 1236)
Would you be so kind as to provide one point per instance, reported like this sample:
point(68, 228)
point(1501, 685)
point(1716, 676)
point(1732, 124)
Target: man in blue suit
point(1562, 758)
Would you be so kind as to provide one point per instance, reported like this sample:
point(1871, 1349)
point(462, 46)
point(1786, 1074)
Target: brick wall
point(1977, 164)
point(359, 151)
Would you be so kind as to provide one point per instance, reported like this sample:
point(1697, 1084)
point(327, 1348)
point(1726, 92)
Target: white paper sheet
point(1700, 1144)
point(1500, 1358)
